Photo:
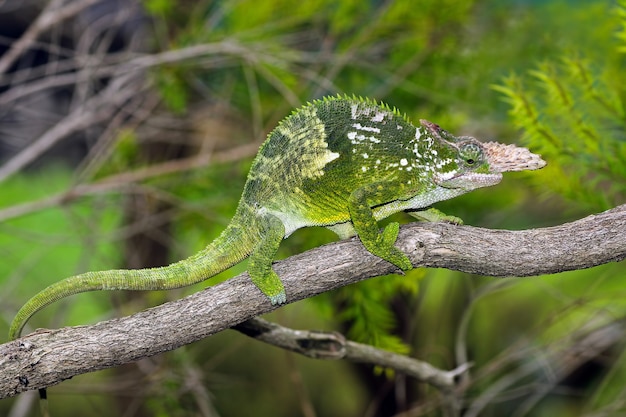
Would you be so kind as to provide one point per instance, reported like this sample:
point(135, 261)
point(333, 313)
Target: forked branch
point(48, 357)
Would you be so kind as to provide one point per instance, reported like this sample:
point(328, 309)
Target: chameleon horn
point(506, 158)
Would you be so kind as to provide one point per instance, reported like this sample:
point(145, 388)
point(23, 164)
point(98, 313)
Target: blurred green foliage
point(572, 111)
point(558, 66)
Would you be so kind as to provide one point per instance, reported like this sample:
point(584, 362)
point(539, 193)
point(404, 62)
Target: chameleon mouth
point(484, 179)
point(468, 180)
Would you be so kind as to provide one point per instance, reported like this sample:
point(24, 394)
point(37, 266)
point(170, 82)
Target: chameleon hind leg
point(260, 261)
point(380, 244)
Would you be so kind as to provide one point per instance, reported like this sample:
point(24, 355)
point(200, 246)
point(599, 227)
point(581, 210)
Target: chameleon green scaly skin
point(340, 162)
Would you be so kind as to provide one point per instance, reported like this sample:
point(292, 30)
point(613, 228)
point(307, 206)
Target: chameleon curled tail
point(218, 256)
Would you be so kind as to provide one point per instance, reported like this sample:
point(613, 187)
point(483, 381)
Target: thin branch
point(127, 180)
point(98, 108)
point(53, 14)
point(48, 357)
point(127, 82)
point(333, 345)
point(550, 365)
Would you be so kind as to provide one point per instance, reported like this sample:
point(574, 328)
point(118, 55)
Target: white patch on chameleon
point(444, 176)
point(355, 111)
point(443, 163)
point(291, 221)
point(428, 139)
point(379, 117)
point(416, 151)
point(318, 155)
point(359, 126)
point(355, 138)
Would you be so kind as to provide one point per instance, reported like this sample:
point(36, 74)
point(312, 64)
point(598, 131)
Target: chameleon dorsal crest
point(339, 162)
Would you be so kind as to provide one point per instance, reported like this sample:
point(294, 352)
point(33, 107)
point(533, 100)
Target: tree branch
point(48, 357)
point(97, 108)
point(55, 12)
point(128, 180)
point(333, 345)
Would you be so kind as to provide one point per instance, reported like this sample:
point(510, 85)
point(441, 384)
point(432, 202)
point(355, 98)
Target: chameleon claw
point(452, 220)
point(278, 299)
point(403, 262)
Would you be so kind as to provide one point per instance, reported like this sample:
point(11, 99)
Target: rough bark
point(48, 357)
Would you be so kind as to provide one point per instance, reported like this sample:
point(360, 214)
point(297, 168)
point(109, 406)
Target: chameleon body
point(339, 162)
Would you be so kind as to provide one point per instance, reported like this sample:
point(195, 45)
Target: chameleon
point(339, 162)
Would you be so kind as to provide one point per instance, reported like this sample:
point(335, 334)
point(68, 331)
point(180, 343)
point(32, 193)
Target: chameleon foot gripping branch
point(339, 162)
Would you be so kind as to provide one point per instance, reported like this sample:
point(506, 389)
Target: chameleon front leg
point(260, 262)
point(360, 206)
point(434, 215)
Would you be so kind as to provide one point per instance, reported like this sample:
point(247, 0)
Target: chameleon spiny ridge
point(339, 162)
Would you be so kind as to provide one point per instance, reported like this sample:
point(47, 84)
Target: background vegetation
point(128, 128)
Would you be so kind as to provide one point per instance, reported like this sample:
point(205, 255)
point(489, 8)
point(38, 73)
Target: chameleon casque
point(339, 162)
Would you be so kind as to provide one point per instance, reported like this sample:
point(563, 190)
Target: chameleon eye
point(471, 154)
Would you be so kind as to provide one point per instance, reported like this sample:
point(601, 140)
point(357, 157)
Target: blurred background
point(127, 128)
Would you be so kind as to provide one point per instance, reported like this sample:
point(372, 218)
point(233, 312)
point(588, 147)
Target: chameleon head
point(476, 164)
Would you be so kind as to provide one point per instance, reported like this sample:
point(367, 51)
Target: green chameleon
point(339, 162)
